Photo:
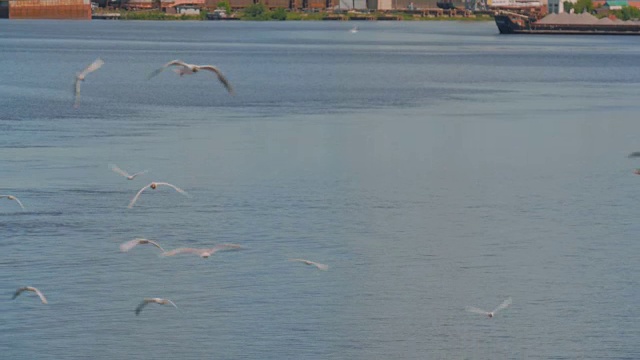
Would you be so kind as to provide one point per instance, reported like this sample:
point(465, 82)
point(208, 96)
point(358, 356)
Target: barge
point(567, 24)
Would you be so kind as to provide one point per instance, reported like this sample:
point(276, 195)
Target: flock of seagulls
point(182, 68)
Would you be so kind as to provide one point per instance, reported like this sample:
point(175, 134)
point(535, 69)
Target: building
point(46, 9)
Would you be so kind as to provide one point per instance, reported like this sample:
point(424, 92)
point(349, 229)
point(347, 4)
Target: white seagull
point(153, 186)
point(188, 69)
point(29, 288)
point(11, 197)
point(154, 300)
point(126, 246)
point(97, 64)
point(309, 262)
point(204, 253)
point(116, 169)
point(491, 314)
point(354, 30)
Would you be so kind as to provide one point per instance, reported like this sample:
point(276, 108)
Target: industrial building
point(45, 9)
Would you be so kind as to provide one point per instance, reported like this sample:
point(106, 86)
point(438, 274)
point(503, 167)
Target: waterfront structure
point(45, 9)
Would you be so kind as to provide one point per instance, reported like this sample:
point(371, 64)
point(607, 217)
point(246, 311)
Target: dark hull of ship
point(507, 25)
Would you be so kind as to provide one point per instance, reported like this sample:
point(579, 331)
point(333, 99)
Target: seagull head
point(636, 171)
point(490, 315)
point(205, 254)
point(153, 186)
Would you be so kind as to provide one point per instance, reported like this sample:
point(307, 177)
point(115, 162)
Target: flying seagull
point(204, 253)
point(126, 246)
point(29, 288)
point(116, 169)
point(183, 68)
point(153, 300)
point(97, 64)
point(11, 197)
point(309, 262)
point(153, 186)
point(354, 30)
point(491, 314)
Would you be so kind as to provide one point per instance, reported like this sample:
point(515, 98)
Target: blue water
point(432, 166)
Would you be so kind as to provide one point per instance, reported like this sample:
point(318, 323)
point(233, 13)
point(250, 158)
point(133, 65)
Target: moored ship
point(569, 24)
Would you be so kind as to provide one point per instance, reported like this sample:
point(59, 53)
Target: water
point(432, 166)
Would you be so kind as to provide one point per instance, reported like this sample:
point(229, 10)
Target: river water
point(432, 166)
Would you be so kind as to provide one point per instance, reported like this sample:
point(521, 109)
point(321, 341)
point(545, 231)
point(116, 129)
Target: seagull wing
point(504, 304)
point(97, 64)
point(116, 169)
point(40, 295)
point(170, 63)
point(19, 202)
point(175, 188)
point(156, 245)
point(138, 173)
point(475, 310)
point(126, 246)
point(135, 198)
point(221, 77)
point(172, 303)
point(321, 266)
point(182, 251)
point(77, 93)
point(227, 247)
point(142, 305)
point(18, 292)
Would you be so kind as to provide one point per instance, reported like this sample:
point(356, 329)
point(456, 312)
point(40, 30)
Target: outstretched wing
point(182, 251)
point(155, 244)
point(475, 310)
point(97, 64)
point(135, 198)
point(172, 303)
point(77, 93)
point(139, 173)
point(175, 188)
point(116, 169)
point(221, 77)
point(18, 292)
point(19, 202)
point(321, 266)
point(504, 304)
point(40, 295)
point(170, 63)
point(126, 246)
point(141, 305)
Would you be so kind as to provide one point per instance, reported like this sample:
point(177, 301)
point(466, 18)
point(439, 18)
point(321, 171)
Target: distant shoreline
point(293, 16)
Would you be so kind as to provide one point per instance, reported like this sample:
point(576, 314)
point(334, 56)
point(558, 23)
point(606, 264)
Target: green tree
point(582, 6)
point(568, 5)
point(255, 10)
point(627, 13)
point(279, 14)
point(225, 5)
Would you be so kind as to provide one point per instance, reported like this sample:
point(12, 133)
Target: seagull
point(154, 185)
point(504, 305)
point(308, 262)
point(116, 169)
point(153, 300)
point(204, 253)
point(636, 171)
point(11, 197)
point(354, 30)
point(97, 64)
point(29, 288)
point(188, 69)
point(126, 246)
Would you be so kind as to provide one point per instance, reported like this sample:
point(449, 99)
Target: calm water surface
point(433, 166)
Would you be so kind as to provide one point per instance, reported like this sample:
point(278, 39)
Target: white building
point(557, 6)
